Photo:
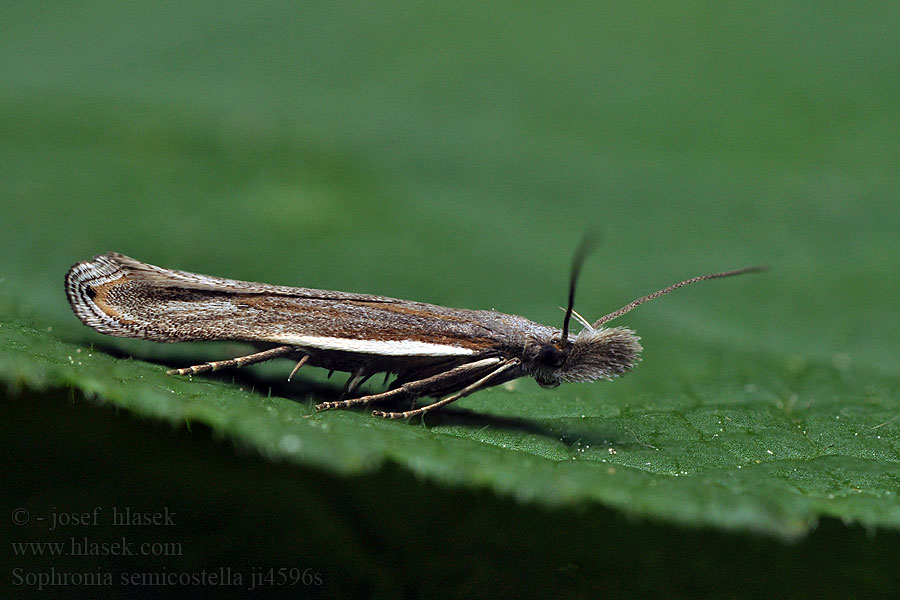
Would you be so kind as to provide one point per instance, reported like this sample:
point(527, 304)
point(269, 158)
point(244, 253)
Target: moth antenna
point(641, 300)
point(584, 249)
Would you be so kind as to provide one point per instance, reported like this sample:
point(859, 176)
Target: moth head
point(592, 354)
point(597, 352)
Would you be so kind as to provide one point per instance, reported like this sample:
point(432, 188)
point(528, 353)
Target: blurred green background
point(456, 154)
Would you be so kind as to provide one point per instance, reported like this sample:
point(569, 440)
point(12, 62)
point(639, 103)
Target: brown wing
point(121, 296)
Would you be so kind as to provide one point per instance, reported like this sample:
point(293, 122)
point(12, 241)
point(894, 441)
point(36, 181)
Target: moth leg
point(300, 363)
point(411, 387)
point(505, 366)
point(356, 380)
point(240, 361)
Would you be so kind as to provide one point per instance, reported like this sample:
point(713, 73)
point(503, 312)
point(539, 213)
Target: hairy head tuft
point(601, 354)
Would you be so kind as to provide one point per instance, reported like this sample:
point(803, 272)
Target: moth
point(434, 351)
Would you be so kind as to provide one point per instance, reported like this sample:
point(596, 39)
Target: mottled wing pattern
point(121, 296)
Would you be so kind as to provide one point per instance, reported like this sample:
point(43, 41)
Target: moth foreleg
point(240, 361)
point(504, 366)
point(413, 387)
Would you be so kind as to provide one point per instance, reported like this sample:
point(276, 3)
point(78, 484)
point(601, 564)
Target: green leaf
point(722, 453)
point(455, 155)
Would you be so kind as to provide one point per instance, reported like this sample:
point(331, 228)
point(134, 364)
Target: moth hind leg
point(240, 361)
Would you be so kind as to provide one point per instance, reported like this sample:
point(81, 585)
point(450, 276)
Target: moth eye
point(550, 355)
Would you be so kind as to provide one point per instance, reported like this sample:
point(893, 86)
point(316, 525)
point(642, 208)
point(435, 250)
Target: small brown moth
point(434, 351)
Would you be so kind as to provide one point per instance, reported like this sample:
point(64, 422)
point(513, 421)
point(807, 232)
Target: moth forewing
point(120, 296)
point(433, 350)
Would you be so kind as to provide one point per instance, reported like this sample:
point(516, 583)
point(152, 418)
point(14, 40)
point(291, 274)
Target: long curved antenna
point(584, 249)
point(647, 298)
